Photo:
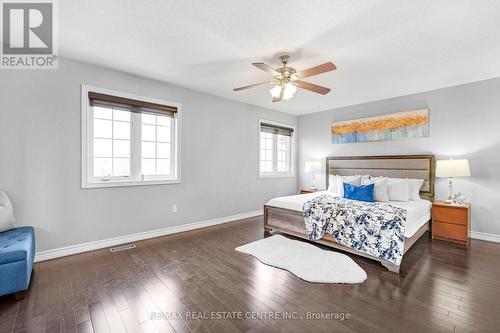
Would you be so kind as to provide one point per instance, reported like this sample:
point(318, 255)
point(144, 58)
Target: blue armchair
point(17, 252)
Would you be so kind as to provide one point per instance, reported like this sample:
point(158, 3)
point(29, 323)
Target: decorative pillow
point(398, 189)
point(332, 183)
point(361, 193)
point(6, 213)
point(415, 186)
point(353, 180)
point(380, 189)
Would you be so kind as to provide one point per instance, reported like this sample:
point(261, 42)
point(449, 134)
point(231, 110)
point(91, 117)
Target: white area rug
point(306, 261)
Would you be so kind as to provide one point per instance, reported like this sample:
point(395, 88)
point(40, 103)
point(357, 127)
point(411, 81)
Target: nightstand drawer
point(450, 215)
point(450, 231)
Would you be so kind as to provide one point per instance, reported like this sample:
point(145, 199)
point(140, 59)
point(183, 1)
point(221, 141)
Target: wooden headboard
point(395, 166)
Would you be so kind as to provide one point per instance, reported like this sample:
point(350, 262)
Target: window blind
point(132, 105)
point(275, 129)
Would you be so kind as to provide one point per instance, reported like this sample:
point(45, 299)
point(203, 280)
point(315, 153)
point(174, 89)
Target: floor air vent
point(122, 247)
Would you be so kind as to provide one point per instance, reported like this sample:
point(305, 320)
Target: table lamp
point(452, 168)
point(312, 167)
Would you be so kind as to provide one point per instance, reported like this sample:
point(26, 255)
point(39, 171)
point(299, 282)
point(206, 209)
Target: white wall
point(464, 122)
point(40, 158)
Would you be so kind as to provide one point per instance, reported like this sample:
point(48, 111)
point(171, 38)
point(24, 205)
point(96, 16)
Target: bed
point(284, 214)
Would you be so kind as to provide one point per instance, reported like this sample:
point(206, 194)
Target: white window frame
point(293, 145)
point(135, 180)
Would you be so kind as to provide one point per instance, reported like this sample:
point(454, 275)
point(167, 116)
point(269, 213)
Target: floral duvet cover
point(374, 228)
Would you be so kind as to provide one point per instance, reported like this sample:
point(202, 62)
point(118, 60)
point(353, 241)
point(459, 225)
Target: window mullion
point(135, 146)
point(156, 145)
point(275, 152)
point(289, 154)
point(173, 147)
point(112, 143)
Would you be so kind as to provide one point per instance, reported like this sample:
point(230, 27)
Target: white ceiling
point(383, 48)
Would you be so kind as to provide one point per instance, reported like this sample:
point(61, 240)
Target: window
point(276, 149)
point(128, 140)
point(156, 145)
point(111, 142)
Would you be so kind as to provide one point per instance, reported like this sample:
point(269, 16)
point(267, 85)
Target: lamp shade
point(276, 91)
point(312, 166)
point(452, 168)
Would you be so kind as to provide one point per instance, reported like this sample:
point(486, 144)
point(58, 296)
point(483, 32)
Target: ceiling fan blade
point(312, 87)
point(265, 68)
point(326, 67)
point(252, 85)
point(278, 99)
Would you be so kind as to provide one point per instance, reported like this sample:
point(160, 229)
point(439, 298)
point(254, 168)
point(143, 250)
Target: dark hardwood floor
point(443, 288)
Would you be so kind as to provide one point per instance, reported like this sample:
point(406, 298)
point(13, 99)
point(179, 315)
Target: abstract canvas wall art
point(394, 126)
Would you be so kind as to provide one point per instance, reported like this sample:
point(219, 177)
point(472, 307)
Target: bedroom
point(133, 134)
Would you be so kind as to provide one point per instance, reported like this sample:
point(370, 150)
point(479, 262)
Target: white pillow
point(379, 188)
point(380, 177)
point(332, 183)
point(6, 213)
point(398, 189)
point(353, 180)
point(415, 186)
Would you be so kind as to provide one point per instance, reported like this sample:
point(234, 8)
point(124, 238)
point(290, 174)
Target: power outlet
point(174, 208)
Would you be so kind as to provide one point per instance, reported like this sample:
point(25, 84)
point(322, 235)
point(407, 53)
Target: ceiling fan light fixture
point(288, 79)
point(275, 91)
point(290, 89)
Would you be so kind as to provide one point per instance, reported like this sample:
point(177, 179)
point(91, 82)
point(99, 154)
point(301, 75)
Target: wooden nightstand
point(451, 222)
point(309, 190)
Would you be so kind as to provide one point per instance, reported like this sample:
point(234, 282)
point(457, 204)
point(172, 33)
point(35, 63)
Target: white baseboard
point(100, 244)
point(484, 236)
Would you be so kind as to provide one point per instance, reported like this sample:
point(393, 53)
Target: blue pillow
point(361, 193)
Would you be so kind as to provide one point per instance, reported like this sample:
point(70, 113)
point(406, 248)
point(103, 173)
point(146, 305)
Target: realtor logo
point(28, 35)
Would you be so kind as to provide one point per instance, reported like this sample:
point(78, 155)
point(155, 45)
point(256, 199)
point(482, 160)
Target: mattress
point(418, 211)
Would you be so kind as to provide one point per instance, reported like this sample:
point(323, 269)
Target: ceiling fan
point(287, 79)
